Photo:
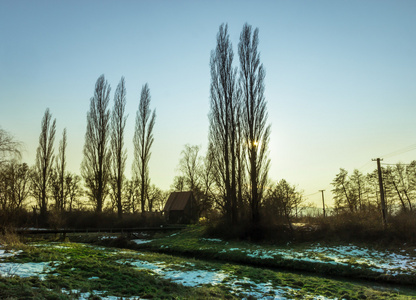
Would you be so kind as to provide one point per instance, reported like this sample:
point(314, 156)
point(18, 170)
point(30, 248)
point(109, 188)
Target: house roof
point(178, 201)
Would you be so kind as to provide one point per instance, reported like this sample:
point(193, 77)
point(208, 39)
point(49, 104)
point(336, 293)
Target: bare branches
point(223, 119)
point(44, 160)
point(95, 166)
point(118, 152)
point(254, 121)
point(143, 140)
point(9, 147)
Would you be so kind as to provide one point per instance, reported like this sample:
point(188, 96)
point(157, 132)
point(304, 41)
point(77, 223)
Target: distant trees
point(14, 177)
point(59, 174)
point(359, 192)
point(14, 185)
point(196, 175)
point(118, 152)
point(143, 140)
point(95, 166)
point(283, 202)
point(9, 147)
point(190, 166)
point(41, 176)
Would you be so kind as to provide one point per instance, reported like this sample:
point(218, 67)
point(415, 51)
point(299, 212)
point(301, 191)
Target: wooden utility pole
point(323, 201)
point(380, 182)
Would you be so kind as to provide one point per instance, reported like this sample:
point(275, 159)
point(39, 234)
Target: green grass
point(192, 242)
point(79, 263)
point(87, 268)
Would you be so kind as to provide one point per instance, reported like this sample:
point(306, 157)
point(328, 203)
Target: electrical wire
point(400, 151)
point(387, 164)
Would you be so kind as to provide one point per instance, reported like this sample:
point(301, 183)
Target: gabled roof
point(178, 201)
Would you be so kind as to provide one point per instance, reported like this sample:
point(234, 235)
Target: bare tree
point(155, 198)
point(14, 185)
point(130, 193)
point(190, 166)
point(59, 188)
point(178, 183)
point(358, 185)
point(342, 191)
point(44, 161)
point(284, 201)
point(95, 166)
point(9, 147)
point(256, 130)
point(143, 140)
point(118, 152)
point(73, 186)
point(223, 116)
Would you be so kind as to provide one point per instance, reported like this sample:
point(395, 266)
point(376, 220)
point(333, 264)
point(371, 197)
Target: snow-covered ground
point(9, 269)
point(193, 278)
point(400, 262)
point(87, 295)
point(187, 274)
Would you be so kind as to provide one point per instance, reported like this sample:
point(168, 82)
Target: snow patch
point(141, 241)
point(41, 269)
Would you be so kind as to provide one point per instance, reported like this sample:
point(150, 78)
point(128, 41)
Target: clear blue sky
point(340, 81)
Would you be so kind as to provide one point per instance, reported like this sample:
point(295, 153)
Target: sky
point(340, 77)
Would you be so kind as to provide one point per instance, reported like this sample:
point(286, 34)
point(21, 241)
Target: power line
point(400, 151)
point(312, 194)
point(395, 164)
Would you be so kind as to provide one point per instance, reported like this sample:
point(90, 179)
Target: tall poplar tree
point(223, 119)
point(254, 117)
point(143, 140)
point(118, 152)
point(44, 161)
point(95, 166)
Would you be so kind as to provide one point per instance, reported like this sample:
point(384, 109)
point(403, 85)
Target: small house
point(181, 208)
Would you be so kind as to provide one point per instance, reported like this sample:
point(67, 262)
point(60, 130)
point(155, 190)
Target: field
point(97, 266)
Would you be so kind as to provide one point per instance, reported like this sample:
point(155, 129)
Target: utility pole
point(323, 201)
point(380, 182)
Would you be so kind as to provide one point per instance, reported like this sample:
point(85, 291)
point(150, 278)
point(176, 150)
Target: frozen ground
point(193, 278)
point(185, 274)
point(400, 262)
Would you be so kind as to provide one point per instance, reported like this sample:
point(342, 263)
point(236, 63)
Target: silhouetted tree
point(179, 183)
point(155, 197)
point(9, 147)
point(190, 166)
point(254, 116)
point(143, 140)
point(223, 118)
point(342, 191)
point(14, 185)
point(118, 152)
point(284, 201)
point(44, 160)
point(207, 179)
point(358, 188)
point(95, 166)
point(74, 190)
point(130, 194)
point(59, 182)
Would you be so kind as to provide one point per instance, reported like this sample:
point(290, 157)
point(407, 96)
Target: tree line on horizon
point(230, 179)
point(360, 192)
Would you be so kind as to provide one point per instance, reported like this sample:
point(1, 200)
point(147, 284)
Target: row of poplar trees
point(105, 155)
point(238, 133)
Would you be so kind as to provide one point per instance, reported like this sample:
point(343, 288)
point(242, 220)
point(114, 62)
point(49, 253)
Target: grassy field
point(396, 265)
point(67, 270)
